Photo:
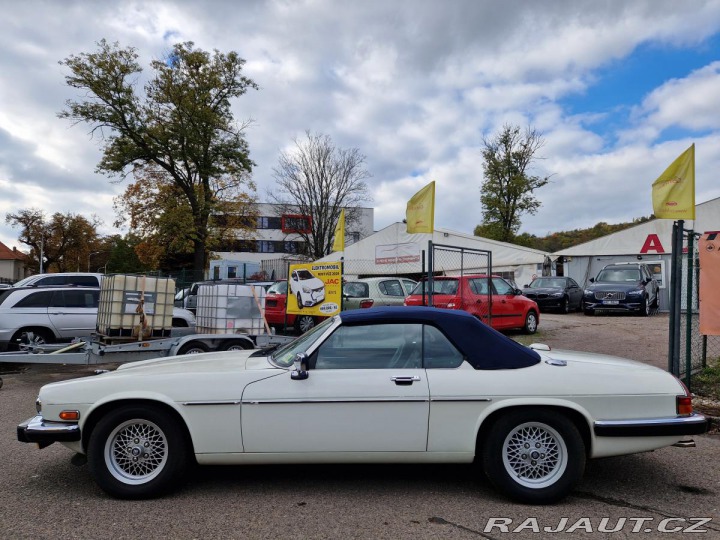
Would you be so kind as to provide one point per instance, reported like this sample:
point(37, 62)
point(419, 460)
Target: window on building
point(232, 271)
point(269, 222)
point(292, 223)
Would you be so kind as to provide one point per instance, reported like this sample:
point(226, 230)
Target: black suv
point(623, 287)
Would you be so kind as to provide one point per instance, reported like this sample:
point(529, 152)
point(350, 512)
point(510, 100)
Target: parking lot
point(656, 494)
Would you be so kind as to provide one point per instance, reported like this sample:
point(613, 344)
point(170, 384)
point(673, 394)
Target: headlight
point(38, 405)
point(588, 292)
point(636, 292)
point(307, 290)
point(557, 294)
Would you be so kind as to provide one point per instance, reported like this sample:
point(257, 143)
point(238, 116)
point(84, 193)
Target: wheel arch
point(97, 414)
point(576, 416)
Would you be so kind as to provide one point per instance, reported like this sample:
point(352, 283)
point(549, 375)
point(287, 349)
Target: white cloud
point(414, 84)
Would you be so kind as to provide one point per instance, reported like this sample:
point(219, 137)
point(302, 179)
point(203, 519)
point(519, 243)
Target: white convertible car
point(381, 385)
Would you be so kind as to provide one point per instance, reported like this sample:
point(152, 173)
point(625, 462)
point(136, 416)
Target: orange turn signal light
point(69, 415)
point(684, 405)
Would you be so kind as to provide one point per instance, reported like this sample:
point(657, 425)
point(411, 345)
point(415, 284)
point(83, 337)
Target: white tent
point(649, 242)
point(392, 251)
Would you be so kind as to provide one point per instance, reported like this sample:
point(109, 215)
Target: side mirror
point(592, 280)
point(526, 286)
point(518, 292)
point(299, 372)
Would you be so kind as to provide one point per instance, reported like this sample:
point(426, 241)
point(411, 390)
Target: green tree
point(507, 191)
point(161, 221)
point(181, 122)
point(317, 179)
point(64, 241)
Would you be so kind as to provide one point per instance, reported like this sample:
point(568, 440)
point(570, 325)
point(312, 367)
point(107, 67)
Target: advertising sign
point(709, 253)
point(397, 253)
point(315, 289)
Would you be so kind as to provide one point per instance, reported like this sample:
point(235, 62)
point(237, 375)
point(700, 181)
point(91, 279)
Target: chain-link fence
point(696, 350)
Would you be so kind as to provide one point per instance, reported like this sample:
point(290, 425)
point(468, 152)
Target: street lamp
point(90, 255)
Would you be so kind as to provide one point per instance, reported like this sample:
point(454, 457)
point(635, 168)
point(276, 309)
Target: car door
point(575, 293)
point(476, 298)
point(353, 293)
point(391, 293)
point(73, 312)
point(366, 391)
point(507, 307)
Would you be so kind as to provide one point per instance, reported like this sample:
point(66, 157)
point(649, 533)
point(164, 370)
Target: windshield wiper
point(265, 351)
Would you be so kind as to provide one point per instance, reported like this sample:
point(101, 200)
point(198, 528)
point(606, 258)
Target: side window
point(378, 346)
point(391, 288)
point(84, 281)
point(501, 286)
point(409, 286)
point(38, 299)
point(51, 280)
point(479, 285)
point(438, 352)
point(76, 298)
point(572, 283)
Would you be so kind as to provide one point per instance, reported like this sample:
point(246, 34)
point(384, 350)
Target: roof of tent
point(650, 237)
point(392, 248)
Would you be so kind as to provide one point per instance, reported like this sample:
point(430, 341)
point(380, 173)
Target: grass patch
point(706, 383)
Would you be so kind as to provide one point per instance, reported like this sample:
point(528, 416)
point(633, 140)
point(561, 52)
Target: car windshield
point(284, 356)
point(279, 287)
point(24, 282)
point(547, 282)
point(619, 274)
point(439, 286)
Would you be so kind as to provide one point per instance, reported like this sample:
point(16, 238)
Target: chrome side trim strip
point(460, 399)
point(193, 403)
point(332, 400)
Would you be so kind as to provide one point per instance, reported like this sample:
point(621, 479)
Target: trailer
point(92, 351)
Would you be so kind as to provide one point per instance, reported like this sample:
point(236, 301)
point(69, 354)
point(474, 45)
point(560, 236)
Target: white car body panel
point(441, 418)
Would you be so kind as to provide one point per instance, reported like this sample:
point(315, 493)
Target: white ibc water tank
point(229, 308)
point(135, 306)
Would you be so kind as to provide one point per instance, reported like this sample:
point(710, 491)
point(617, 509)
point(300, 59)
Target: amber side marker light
point(69, 415)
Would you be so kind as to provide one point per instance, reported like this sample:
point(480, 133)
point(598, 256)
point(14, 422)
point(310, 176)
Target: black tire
point(534, 456)
point(303, 323)
point(299, 301)
point(565, 305)
point(234, 346)
point(588, 311)
point(194, 347)
point(138, 452)
point(645, 308)
point(41, 336)
point(531, 322)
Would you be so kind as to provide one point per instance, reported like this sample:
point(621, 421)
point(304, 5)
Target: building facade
point(275, 239)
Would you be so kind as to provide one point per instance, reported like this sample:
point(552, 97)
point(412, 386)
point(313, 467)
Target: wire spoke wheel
point(534, 455)
point(136, 451)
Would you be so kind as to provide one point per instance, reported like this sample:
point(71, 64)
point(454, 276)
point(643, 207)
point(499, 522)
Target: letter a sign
point(652, 243)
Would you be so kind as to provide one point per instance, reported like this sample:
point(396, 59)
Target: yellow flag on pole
point(673, 193)
point(339, 242)
point(420, 213)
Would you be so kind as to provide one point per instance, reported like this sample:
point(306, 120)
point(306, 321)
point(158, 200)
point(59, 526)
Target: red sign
point(652, 243)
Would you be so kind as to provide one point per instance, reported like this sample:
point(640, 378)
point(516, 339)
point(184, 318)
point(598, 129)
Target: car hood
point(543, 290)
point(206, 362)
point(613, 286)
point(314, 283)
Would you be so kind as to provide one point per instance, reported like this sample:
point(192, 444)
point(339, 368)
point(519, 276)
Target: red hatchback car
point(275, 310)
point(476, 294)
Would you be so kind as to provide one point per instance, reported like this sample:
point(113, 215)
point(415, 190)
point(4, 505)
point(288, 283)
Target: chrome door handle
point(405, 380)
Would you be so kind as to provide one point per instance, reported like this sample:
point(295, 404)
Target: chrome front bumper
point(695, 424)
point(44, 433)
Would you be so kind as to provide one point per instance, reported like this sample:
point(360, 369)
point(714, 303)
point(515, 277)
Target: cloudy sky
point(617, 88)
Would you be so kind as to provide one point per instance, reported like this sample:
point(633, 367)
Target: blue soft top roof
point(484, 347)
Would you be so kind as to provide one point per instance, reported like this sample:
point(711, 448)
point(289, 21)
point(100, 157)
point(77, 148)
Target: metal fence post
point(688, 310)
